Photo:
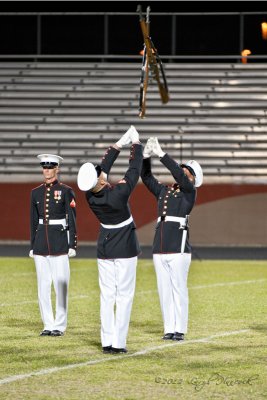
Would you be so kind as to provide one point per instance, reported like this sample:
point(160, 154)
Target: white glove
point(125, 139)
point(72, 253)
point(134, 135)
point(148, 150)
point(157, 149)
point(31, 253)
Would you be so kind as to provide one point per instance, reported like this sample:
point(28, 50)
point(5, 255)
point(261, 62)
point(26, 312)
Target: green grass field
point(224, 355)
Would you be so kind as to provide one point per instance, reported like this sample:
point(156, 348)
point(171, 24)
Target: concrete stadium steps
point(217, 114)
point(54, 105)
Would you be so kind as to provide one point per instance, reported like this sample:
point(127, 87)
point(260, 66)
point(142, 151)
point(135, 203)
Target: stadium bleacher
point(217, 114)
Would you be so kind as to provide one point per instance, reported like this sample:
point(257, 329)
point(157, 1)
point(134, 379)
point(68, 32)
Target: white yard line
point(79, 296)
point(115, 357)
point(227, 284)
point(83, 296)
point(221, 284)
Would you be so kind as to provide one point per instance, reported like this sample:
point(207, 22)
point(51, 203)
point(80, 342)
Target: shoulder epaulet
point(66, 186)
point(37, 187)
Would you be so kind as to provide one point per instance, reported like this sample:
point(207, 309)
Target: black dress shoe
point(57, 333)
point(178, 336)
point(115, 350)
point(107, 349)
point(168, 336)
point(45, 333)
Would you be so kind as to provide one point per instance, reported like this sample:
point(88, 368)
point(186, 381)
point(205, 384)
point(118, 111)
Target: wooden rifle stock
point(156, 66)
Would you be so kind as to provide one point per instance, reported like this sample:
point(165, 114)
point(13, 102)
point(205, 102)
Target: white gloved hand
point(125, 139)
point(134, 135)
point(157, 149)
point(31, 253)
point(72, 253)
point(148, 150)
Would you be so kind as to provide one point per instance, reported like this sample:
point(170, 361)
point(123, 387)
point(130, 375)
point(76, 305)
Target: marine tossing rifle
point(151, 62)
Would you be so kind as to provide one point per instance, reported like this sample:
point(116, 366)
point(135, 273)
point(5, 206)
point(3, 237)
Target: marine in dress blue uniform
point(117, 246)
point(53, 241)
point(171, 247)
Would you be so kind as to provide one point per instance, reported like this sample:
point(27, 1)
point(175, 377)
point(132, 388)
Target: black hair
point(98, 170)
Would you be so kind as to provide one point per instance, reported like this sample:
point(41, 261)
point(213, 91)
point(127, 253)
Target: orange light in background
point(264, 30)
point(245, 53)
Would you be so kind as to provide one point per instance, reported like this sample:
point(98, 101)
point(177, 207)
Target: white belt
point(172, 219)
point(54, 222)
point(183, 225)
point(120, 225)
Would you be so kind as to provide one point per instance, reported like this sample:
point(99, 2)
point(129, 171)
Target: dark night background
point(199, 35)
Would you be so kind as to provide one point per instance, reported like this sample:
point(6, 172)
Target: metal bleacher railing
point(217, 113)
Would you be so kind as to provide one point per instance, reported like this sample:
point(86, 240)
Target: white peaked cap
point(87, 177)
point(49, 158)
point(197, 170)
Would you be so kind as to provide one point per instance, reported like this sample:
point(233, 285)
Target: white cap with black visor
point(49, 160)
point(195, 169)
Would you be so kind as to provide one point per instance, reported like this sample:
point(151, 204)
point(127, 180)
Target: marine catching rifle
point(151, 63)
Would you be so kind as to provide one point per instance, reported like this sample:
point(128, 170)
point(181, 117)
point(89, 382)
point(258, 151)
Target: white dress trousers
point(56, 270)
point(172, 272)
point(117, 286)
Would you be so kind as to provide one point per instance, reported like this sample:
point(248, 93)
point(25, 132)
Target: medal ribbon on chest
point(57, 194)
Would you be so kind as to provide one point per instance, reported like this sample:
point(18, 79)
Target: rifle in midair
point(151, 63)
